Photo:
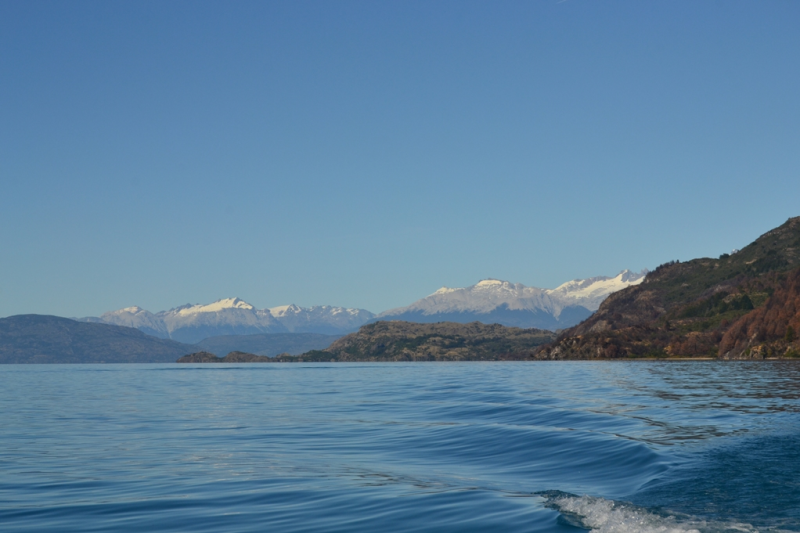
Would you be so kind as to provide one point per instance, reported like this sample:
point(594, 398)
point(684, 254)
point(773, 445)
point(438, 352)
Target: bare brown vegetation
point(771, 329)
point(737, 306)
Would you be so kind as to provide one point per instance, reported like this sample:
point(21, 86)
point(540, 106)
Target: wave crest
point(608, 516)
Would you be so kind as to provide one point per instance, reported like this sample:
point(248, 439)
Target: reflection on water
point(400, 447)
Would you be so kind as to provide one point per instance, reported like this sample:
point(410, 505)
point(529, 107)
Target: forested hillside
point(742, 305)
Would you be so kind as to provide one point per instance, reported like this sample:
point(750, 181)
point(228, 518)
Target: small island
point(232, 357)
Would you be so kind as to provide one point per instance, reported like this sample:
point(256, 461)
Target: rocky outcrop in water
point(233, 357)
point(269, 344)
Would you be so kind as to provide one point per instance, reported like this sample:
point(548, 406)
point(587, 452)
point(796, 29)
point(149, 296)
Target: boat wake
point(608, 516)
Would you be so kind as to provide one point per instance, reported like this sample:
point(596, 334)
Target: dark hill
point(687, 309)
point(441, 341)
point(52, 339)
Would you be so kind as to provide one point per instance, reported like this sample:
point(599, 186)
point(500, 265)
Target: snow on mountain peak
point(495, 286)
point(636, 277)
point(127, 314)
point(592, 291)
point(319, 318)
point(483, 297)
point(219, 305)
point(490, 283)
point(445, 290)
point(283, 310)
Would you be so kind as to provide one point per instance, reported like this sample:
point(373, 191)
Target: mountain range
point(513, 304)
point(192, 323)
point(489, 301)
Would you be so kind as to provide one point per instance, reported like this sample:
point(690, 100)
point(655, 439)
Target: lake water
point(429, 447)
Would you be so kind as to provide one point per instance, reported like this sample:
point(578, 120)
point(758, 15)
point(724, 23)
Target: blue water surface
point(385, 447)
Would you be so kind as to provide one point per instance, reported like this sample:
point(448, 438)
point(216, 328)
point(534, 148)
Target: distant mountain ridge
point(324, 319)
point(192, 323)
point(488, 301)
point(514, 304)
point(53, 339)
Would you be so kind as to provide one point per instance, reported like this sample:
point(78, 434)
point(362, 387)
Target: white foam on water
point(609, 516)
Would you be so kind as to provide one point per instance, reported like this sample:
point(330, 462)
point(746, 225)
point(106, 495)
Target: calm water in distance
point(388, 447)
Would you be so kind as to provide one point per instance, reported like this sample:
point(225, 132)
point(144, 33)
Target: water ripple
point(400, 447)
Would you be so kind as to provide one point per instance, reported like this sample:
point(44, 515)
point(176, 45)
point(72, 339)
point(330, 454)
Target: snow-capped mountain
point(514, 304)
point(488, 301)
point(136, 317)
point(320, 318)
point(230, 316)
point(192, 323)
point(591, 292)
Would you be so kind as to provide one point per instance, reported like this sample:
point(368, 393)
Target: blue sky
point(366, 153)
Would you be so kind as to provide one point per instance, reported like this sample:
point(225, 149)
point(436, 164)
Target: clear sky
point(365, 154)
